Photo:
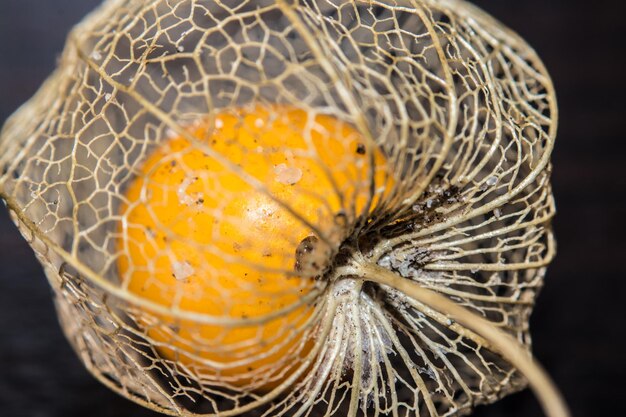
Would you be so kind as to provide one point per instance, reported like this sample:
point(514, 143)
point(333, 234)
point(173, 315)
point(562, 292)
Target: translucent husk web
point(432, 262)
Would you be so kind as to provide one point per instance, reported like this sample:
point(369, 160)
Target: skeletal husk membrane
point(445, 191)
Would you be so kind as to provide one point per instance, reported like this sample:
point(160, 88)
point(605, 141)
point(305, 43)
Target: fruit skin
point(200, 238)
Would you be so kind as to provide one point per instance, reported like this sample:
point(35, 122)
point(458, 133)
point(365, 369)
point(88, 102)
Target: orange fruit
point(215, 229)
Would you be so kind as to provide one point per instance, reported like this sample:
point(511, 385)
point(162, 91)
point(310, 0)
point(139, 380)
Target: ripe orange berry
point(201, 236)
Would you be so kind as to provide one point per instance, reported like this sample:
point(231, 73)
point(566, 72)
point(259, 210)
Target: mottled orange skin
point(202, 239)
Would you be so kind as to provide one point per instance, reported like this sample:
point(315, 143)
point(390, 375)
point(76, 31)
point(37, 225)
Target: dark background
point(578, 325)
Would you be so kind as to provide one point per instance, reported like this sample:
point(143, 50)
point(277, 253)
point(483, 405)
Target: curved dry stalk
point(545, 390)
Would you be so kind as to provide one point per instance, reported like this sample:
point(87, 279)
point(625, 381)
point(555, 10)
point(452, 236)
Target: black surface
point(578, 325)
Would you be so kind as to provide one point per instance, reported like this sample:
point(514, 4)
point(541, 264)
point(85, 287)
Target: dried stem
point(543, 387)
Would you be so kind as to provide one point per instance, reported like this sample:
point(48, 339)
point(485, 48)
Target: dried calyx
point(293, 208)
